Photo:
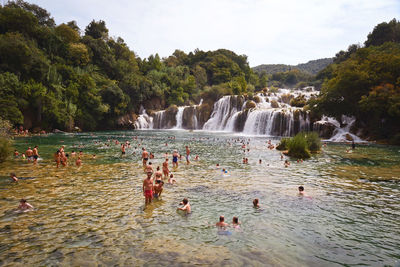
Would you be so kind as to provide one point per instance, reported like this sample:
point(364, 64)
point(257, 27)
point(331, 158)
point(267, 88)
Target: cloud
point(268, 31)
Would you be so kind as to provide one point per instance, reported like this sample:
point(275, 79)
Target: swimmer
point(16, 153)
point(29, 154)
point(301, 191)
point(78, 162)
point(94, 156)
point(145, 157)
point(158, 175)
point(23, 205)
point(255, 203)
point(175, 156)
point(221, 223)
point(186, 206)
point(23, 156)
point(224, 171)
point(149, 168)
point(196, 158)
point(151, 155)
point(171, 179)
point(165, 168)
point(287, 163)
point(281, 156)
point(260, 161)
point(235, 222)
point(157, 189)
point(123, 152)
point(13, 177)
point(73, 153)
point(148, 188)
point(187, 155)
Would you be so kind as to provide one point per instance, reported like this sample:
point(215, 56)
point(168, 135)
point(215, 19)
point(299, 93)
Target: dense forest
point(59, 76)
point(364, 82)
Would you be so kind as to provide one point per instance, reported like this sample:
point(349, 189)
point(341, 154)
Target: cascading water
point(144, 121)
point(179, 116)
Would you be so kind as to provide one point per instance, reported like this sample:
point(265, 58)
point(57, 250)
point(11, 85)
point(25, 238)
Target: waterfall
point(268, 114)
point(179, 116)
point(144, 121)
point(224, 109)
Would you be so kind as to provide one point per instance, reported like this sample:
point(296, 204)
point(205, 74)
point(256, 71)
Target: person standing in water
point(165, 168)
point(29, 154)
point(175, 156)
point(187, 155)
point(148, 188)
point(35, 154)
point(145, 156)
point(222, 224)
point(123, 152)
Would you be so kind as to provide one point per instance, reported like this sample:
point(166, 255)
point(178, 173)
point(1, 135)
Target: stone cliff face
point(127, 120)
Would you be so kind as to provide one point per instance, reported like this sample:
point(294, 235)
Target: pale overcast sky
point(267, 31)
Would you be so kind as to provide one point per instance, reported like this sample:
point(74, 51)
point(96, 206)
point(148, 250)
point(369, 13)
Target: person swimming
point(24, 205)
point(256, 203)
point(235, 222)
point(13, 177)
point(186, 206)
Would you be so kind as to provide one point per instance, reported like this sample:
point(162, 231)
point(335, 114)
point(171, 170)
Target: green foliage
point(298, 147)
point(5, 141)
point(5, 148)
point(283, 144)
point(384, 32)
point(311, 67)
point(366, 86)
point(313, 141)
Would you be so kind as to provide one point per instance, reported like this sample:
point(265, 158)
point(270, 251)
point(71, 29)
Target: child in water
point(13, 177)
point(255, 203)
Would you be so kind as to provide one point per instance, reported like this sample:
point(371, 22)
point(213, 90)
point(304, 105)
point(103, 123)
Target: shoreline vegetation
point(63, 77)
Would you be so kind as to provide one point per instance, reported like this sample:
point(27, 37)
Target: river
point(94, 214)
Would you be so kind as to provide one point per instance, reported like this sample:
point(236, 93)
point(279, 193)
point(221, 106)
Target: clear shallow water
point(95, 214)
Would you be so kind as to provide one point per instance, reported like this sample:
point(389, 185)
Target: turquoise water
point(94, 214)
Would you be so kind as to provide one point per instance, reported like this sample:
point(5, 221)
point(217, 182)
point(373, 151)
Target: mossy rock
point(274, 104)
point(250, 104)
point(257, 99)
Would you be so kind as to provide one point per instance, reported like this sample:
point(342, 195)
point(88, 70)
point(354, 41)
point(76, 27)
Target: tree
point(97, 30)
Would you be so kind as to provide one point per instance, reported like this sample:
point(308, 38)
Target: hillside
point(311, 67)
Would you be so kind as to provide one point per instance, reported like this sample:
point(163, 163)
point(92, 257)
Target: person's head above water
point(235, 220)
point(221, 218)
point(22, 200)
point(149, 175)
point(301, 188)
point(255, 202)
point(185, 201)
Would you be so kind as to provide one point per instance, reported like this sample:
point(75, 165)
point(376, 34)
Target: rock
point(127, 120)
point(274, 104)
point(250, 104)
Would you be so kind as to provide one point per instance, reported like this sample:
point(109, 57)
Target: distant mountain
point(312, 66)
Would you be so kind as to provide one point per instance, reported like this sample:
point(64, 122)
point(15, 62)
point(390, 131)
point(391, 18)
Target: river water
point(94, 214)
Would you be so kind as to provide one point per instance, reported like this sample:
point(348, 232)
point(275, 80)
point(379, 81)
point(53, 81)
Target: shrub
point(299, 101)
point(298, 147)
point(274, 104)
point(283, 144)
point(313, 141)
point(250, 104)
point(5, 148)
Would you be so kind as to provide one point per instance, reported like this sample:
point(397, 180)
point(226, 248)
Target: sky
point(267, 31)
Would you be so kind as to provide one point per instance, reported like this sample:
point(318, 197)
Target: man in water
point(35, 154)
point(158, 175)
point(186, 206)
point(145, 156)
point(148, 188)
point(222, 224)
point(165, 168)
point(235, 222)
point(157, 189)
point(123, 150)
point(149, 168)
point(187, 155)
point(175, 156)
point(29, 154)
point(23, 205)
